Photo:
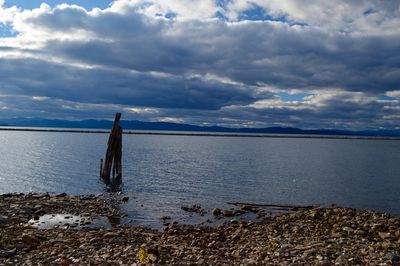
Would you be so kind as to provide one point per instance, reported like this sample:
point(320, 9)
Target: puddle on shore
point(49, 221)
point(188, 215)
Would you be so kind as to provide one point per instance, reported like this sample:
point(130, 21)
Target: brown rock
point(216, 212)
point(111, 234)
point(228, 213)
point(30, 241)
point(384, 235)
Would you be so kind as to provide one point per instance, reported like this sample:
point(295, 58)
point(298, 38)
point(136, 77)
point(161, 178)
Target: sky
point(235, 63)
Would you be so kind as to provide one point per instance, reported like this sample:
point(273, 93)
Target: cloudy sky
point(237, 63)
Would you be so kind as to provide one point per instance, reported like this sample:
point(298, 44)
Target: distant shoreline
point(200, 134)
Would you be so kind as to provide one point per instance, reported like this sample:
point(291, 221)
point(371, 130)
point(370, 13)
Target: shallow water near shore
point(163, 173)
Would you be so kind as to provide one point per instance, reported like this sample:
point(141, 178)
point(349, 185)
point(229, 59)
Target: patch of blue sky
point(222, 3)
point(169, 15)
point(36, 3)
point(369, 11)
point(386, 98)
point(296, 97)
point(6, 30)
point(257, 13)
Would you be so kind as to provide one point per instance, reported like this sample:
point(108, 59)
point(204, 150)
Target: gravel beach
point(316, 236)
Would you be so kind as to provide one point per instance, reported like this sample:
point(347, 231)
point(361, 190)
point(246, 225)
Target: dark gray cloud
point(111, 86)
point(280, 55)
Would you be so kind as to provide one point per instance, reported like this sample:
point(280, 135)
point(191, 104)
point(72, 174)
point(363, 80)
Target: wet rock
point(392, 257)
point(3, 219)
point(194, 208)
point(26, 210)
point(216, 212)
point(39, 212)
point(247, 208)
point(228, 213)
point(7, 253)
point(125, 199)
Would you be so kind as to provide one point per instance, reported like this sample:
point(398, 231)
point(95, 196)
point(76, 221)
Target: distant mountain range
point(166, 126)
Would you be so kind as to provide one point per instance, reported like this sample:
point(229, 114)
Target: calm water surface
point(162, 173)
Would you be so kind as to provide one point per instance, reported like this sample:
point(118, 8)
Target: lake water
point(162, 173)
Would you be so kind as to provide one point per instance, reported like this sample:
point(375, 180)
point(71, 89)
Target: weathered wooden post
point(114, 151)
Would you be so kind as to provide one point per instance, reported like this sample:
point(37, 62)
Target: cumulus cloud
point(204, 62)
point(7, 14)
point(368, 17)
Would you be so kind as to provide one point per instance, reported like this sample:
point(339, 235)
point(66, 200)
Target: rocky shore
point(316, 236)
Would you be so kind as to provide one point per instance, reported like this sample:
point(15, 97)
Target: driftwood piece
point(114, 151)
point(291, 207)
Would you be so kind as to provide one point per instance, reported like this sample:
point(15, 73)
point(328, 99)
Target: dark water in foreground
point(162, 173)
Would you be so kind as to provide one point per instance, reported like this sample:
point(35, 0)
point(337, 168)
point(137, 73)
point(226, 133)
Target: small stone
point(111, 234)
point(201, 262)
point(384, 235)
point(95, 240)
point(348, 229)
point(282, 249)
point(56, 241)
point(341, 260)
point(309, 252)
point(326, 263)
point(249, 262)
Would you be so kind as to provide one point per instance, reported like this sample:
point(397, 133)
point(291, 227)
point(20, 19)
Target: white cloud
point(138, 110)
point(394, 94)
point(7, 14)
point(367, 17)
point(182, 9)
